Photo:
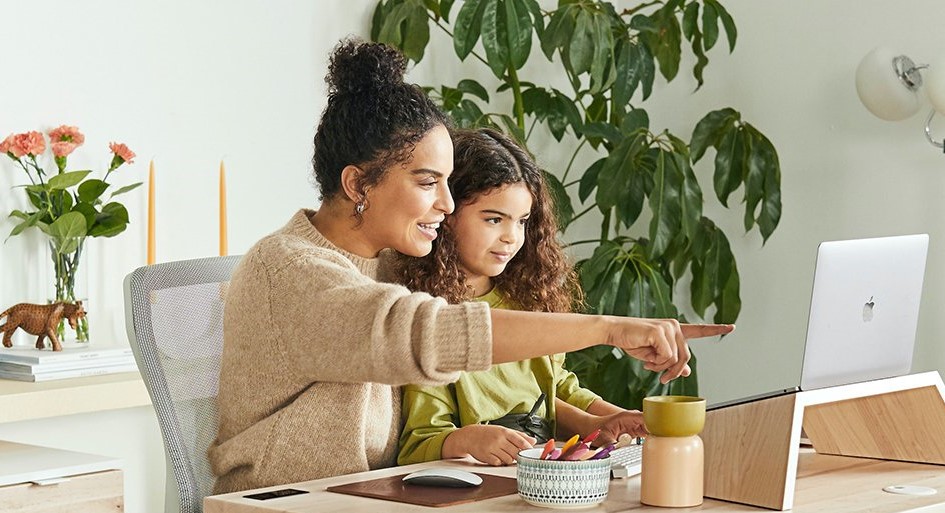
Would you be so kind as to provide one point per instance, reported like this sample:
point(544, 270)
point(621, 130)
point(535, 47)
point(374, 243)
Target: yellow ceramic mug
point(674, 415)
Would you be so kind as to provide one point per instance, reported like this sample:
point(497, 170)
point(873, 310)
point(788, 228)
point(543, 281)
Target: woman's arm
point(660, 343)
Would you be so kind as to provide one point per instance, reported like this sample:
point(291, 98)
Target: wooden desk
point(824, 484)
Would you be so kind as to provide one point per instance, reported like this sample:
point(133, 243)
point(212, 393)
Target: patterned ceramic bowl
point(562, 484)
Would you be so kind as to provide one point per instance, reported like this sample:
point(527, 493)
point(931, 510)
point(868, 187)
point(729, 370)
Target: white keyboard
point(626, 461)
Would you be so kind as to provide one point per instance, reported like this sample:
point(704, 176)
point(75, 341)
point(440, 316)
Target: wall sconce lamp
point(888, 84)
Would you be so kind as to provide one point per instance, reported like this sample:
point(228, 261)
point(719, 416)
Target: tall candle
point(151, 252)
point(223, 249)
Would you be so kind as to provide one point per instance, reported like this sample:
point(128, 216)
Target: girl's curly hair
point(539, 277)
point(373, 118)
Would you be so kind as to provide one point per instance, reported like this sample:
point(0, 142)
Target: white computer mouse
point(442, 476)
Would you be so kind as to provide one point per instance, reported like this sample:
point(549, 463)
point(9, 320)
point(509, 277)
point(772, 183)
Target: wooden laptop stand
point(751, 449)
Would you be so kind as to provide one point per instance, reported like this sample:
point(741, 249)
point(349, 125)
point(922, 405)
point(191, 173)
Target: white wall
point(189, 83)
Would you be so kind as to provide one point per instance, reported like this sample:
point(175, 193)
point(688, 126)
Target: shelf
point(26, 401)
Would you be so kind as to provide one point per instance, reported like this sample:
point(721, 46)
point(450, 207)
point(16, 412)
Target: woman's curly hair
point(539, 277)
point(373, 118)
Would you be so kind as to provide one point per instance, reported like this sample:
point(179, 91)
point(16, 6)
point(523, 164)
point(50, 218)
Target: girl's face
point(406, 208)
point(489, 232)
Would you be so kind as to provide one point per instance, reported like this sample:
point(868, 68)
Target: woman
point(313, 343)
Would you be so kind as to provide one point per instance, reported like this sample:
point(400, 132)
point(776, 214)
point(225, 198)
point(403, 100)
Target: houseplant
point(610, 58)
point(68, 205)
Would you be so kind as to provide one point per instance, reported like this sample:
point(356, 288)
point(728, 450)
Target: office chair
point(174, 318)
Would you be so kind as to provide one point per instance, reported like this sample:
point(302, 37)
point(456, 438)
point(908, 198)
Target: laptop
point(863, 314)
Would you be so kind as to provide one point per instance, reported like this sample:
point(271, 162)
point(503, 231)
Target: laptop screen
point(863, 314)
point(864, 310)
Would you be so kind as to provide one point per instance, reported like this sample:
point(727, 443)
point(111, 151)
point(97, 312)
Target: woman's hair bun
point(358, 66)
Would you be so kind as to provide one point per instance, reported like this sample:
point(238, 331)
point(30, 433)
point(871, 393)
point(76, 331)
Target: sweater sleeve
point(332, 323)
point(567, 386)
point(430, 415)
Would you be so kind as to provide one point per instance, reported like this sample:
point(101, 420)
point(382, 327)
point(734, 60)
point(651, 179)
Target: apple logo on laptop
point(868, 310)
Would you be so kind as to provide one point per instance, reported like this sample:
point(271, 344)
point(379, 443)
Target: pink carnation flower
point(122, 151)
point(66, 133)
point(6, 145)
point(30, 143)
point(63, 148)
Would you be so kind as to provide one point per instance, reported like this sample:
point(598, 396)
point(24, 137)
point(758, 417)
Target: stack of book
point(74, 361)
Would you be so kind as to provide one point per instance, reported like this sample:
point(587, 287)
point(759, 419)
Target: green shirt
point(431, 413)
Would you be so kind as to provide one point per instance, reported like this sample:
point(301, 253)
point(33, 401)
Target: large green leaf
point(552, 108)
point(690, 197)
point(730, 163)
point(416, 33)
point(589, 179)
point(562, 202)
point(710, 25)
point(90, 190)
point(754, 180)
point(622, 180)
point(470, 86)
point(730, 31)
point(635, 121)
point(765, 157)
point(391, 23)
point(603, 55)
point(601, 130)
point(519, 31)
point(629, 66)
point(127, 188)
point(666, 43)
point(560, 28)
point(468, 27)
point(689, 20)
point(709, 131)
point(665, 204)
point(66, 232)
point(66, 180)
point(580, 49)
point(495, 37)
point(88, 211)
point(112, 220)
point(28, 222)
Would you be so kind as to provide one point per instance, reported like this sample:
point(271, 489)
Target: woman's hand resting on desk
point(492, 445)
point(660, 343)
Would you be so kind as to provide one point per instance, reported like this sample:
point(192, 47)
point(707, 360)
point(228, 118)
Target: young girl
point(500, 247)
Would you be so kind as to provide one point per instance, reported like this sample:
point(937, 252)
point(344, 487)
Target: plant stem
point(605, 225)
point(519, 105)
point(573, 156)
point(578, 243)
point(627, 12)
point(27, 171)
point(444, 29)
point(530, 130)
point(586, 210)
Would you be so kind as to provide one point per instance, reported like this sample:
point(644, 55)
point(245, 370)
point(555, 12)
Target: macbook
point(863, 314)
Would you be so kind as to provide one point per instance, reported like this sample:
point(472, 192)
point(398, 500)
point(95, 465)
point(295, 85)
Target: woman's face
point(489, 232)
point(406, 208)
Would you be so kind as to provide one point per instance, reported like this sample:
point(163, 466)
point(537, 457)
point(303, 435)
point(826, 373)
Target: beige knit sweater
point(313, 347)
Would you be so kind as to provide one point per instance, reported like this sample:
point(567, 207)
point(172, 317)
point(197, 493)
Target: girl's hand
point(492, 445)
point(614, 425)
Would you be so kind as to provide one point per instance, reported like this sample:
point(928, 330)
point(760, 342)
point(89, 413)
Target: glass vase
point(69, 288)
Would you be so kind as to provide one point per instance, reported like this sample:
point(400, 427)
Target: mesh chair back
point(174, 318)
